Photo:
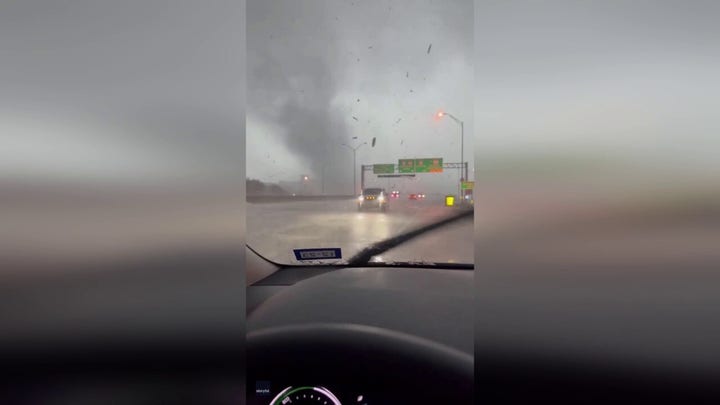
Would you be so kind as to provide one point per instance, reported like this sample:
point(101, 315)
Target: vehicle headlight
point(381, 198)
point(360, 198)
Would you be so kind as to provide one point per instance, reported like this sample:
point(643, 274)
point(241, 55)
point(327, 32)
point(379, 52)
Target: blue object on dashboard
point(317, 254)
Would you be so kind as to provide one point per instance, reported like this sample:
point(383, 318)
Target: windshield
point(347, 100)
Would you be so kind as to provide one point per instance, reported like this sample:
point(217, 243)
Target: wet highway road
point(274, 229)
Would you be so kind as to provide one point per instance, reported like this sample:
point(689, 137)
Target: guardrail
point(289, 198)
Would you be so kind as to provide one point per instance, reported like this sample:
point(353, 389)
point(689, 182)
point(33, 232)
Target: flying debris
point(358, 100)
point(398, 120)
point(370, 47)
point(354, 137)
point(358, 59)
point(430, 46)
point(355, 118)
point(373, 142)
point(407, 74)
point(401, 141)
point(411, 91)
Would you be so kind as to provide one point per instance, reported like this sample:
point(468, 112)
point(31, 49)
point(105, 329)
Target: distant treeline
point(257, 187)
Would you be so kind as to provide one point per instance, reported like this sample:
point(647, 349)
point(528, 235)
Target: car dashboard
point(364, 335)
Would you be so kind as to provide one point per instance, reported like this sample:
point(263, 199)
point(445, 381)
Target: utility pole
point(463, 166)
point(354, 150)
point(322, 181)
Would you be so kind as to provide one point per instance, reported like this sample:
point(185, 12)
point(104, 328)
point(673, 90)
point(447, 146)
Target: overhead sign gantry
point(408, 168)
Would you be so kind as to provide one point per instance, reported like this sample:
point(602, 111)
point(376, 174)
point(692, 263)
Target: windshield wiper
point(363, 257)
point(421, 264)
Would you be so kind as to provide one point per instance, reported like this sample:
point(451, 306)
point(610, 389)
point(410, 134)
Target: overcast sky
point(128, 91)
point(636, 81)
point(141, 89)
point(323, 72)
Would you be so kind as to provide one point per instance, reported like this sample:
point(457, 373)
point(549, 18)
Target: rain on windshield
point(346, 96)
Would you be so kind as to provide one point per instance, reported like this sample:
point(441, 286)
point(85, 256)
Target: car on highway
point(373, 198)
point(395, 194)
point(416, 196)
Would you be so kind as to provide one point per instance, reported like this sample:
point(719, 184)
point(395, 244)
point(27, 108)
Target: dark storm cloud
point(318, 69)
point(292, 76)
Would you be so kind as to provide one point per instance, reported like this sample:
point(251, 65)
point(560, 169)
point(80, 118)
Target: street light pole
point(354, 150)
point(462, 159)
point(354, 173)
point(463, 167)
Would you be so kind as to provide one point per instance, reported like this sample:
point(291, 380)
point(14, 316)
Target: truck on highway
point(373, 198)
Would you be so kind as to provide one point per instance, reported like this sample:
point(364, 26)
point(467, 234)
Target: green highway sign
point(468, 185)
point(406, 165)
point(428, 165)
point(425, 165)
point(384, 168)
